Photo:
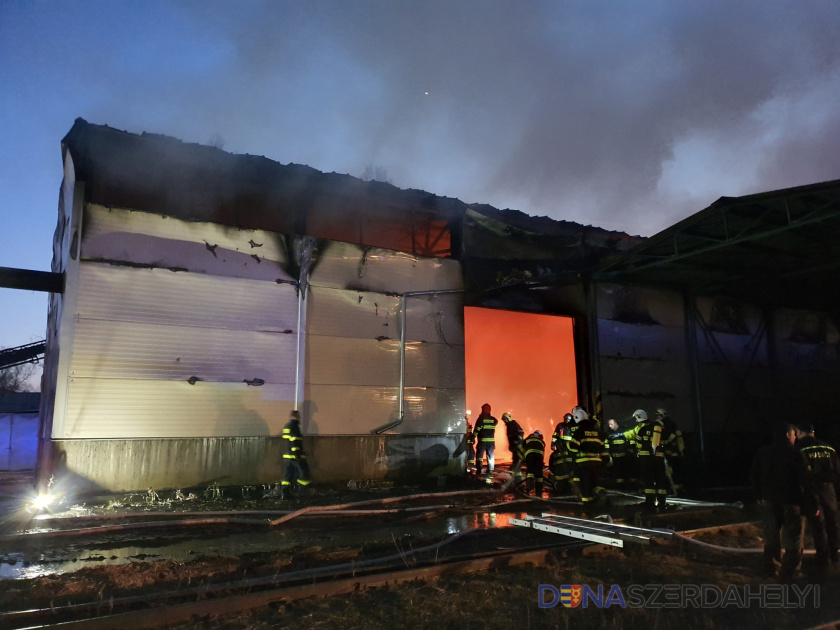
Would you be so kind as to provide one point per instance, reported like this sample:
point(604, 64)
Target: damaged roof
point(163, 175)
point(775, 249)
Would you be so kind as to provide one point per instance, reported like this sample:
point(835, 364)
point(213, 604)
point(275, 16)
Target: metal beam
point(813, 217)
point(28, 280)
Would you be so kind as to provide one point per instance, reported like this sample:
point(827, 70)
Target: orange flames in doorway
point(521, 363)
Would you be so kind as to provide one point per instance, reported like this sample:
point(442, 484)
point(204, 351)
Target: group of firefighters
point(583, 453)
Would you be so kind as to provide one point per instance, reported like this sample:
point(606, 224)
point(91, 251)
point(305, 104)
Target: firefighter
point(648, 434)
point(563, 428)
point(561, 460)
point(621, 453)
point(515, 437)
point(485, 435)
point(589, 456)
point(673, 446)
point(297, 468)
point(820, 499)
point(534, 462)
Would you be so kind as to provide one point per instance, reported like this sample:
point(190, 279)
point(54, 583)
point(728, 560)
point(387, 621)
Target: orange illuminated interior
point(521, 363)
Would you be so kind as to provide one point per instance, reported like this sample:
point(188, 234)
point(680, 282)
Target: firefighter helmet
point(485, 407)
point(538, 433)
point(661, 412)
point(506, 417)
point(640, 415)
point(579, 414)
point(568, 419)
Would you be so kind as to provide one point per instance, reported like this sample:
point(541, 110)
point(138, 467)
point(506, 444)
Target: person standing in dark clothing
point(485, 435)
point(515, 438)
point(776, 477)
point(820, 500)
point(534, 462)
point(297, 468)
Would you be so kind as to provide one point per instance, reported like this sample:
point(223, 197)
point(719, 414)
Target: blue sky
point(628, 115)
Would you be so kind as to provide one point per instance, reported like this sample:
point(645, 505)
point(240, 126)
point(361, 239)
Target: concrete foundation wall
point(94, 466)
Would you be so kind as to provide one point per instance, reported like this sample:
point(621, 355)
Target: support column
point(694, 368)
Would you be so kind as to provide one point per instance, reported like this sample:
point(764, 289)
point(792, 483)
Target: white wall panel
point(366, 314)
point(435, 318)
point(343, 361)
point(353, 410)
point(361, 314)
point(187, 299)
point(123, 408)
point(433, 410)
point(152, 239)
point(434, 365)
point(346, 266)
point(112, 349)
point(347, 409)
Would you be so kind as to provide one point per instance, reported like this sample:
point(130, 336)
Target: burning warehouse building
point(206, 295)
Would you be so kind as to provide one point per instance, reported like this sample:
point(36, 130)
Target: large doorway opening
point(521, 363)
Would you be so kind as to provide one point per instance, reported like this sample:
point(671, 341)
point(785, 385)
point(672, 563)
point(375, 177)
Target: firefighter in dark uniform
point(588, 448)
point(820, 500)
point(559, 470)
point(515, 437)
point(563, 429)
point(648, 434)
point(485, 435)
point(534, 462)
point(297, 468)
point(673, 446)
point(621, 453)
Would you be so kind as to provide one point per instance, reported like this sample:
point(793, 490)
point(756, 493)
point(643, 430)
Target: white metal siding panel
point(185, 299)
point(343, 361)
point(433, 410)
point(434, 365)
point(365, 314)
point(435, 318)
point(129, 408)
point(109, 349)
point(347, 409)
point(360, 314)
point(151, 239)
point(346, 266)
point(354, 410)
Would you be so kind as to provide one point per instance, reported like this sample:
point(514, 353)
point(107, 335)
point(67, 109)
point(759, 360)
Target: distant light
point(427, 93)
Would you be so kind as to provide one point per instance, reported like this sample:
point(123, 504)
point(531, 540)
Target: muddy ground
point(500, 598)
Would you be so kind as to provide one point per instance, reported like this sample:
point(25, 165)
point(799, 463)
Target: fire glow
point(522, 363)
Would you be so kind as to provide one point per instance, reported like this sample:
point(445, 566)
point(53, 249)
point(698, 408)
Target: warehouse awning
point(772, 249)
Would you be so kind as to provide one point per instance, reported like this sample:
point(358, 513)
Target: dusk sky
point(628, 115)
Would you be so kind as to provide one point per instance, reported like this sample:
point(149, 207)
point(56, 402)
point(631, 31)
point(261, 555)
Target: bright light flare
point(42, 501)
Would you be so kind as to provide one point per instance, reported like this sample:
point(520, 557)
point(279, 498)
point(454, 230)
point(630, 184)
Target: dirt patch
point(503, 598)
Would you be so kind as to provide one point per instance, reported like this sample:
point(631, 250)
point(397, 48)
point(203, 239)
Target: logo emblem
point(570, 595)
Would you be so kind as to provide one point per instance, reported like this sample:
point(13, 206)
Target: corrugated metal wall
point(353, 343)
point(176, 323)
point(161, 353)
